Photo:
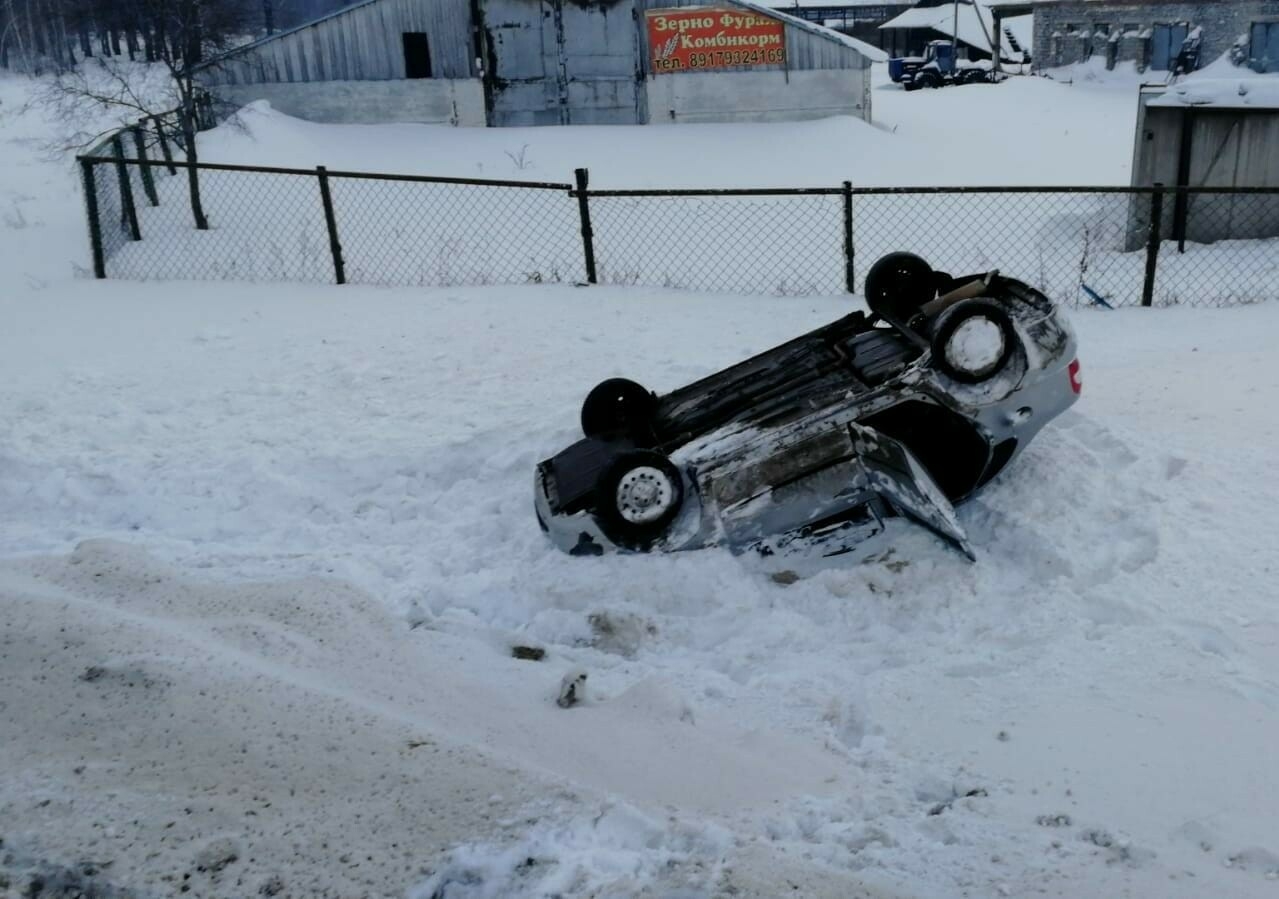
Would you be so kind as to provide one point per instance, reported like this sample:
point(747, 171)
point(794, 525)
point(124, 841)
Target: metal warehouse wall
point(821, 77)
point(547, 61)
point(430, 101)
point(360, 44)
point(1227, 147)
point(757, 96)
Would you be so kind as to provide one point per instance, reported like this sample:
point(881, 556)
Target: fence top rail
point(1067, 189)
point(717, 192)
point(334, 173)
point(95, 157)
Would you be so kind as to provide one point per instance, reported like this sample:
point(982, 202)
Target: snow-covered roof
point(1222, 93)
point(975, 23)
point(870, 51)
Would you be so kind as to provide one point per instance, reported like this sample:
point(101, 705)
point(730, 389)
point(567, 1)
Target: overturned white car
point(828, 440)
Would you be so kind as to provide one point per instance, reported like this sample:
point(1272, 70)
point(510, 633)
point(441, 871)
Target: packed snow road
point(266, 553)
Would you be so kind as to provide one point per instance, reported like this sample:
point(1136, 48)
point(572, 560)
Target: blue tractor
point(938, 67)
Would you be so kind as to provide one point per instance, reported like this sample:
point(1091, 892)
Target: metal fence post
point(165, 150)
point(1181, 212)
point(89, 178)
point(148, 182)
point(126, 189)
point(849, 273)
point(339, 266)
point(1152, 243)
point(588, 235)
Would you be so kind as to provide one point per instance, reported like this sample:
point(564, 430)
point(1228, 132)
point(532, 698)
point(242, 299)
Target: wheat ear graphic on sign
point(666, 49)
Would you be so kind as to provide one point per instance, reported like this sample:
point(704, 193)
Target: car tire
point(898, 284)
point(638, 497)
point(618, 408)
point(964, 322)
point(928, 79)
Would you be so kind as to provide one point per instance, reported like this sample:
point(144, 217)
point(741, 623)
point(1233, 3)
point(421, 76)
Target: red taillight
point(1075, 383)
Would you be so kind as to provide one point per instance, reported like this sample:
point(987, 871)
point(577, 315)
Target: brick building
point(1152, 33)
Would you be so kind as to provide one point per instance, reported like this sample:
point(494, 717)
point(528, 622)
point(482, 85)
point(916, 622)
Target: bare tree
point(181, 36)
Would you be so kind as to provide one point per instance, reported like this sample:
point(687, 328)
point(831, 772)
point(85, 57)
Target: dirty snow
point(265, 552)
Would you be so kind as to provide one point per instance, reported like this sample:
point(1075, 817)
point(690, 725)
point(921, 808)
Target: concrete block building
point(1152, 33)
point(551, 62)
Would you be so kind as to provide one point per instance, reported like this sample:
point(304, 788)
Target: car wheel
point(974, 341)
point(637, 497)
point(898, 284)
point(928, 79)
point(618, 407)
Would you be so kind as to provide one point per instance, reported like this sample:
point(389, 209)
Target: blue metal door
point(1165, 44)
point(1263, 51)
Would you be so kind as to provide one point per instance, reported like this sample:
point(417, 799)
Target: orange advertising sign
point(694, 38)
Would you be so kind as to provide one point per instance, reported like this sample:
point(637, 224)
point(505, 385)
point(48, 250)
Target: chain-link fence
point(128, 172)
point(764, 241)
point(1105, 246)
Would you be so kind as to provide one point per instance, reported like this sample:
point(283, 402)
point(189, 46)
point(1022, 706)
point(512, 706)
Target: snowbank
point(1025, 131)
point(334, 502)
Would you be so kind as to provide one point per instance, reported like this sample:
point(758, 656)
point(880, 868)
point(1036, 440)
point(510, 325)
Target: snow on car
point(828, 443)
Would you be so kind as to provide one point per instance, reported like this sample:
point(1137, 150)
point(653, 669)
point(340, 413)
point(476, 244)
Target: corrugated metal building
point(1219, 133)
point(547, 62)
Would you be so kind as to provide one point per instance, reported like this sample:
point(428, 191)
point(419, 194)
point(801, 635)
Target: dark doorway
point(417, 55)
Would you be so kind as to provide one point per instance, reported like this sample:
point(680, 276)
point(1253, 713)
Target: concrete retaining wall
point(757, 96)
point(427, 100)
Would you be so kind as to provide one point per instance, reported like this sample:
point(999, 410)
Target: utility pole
point(954, 37)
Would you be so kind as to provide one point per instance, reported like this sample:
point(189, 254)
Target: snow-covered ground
point(1073, 130)
point(1026, 131)
point(265, 551)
